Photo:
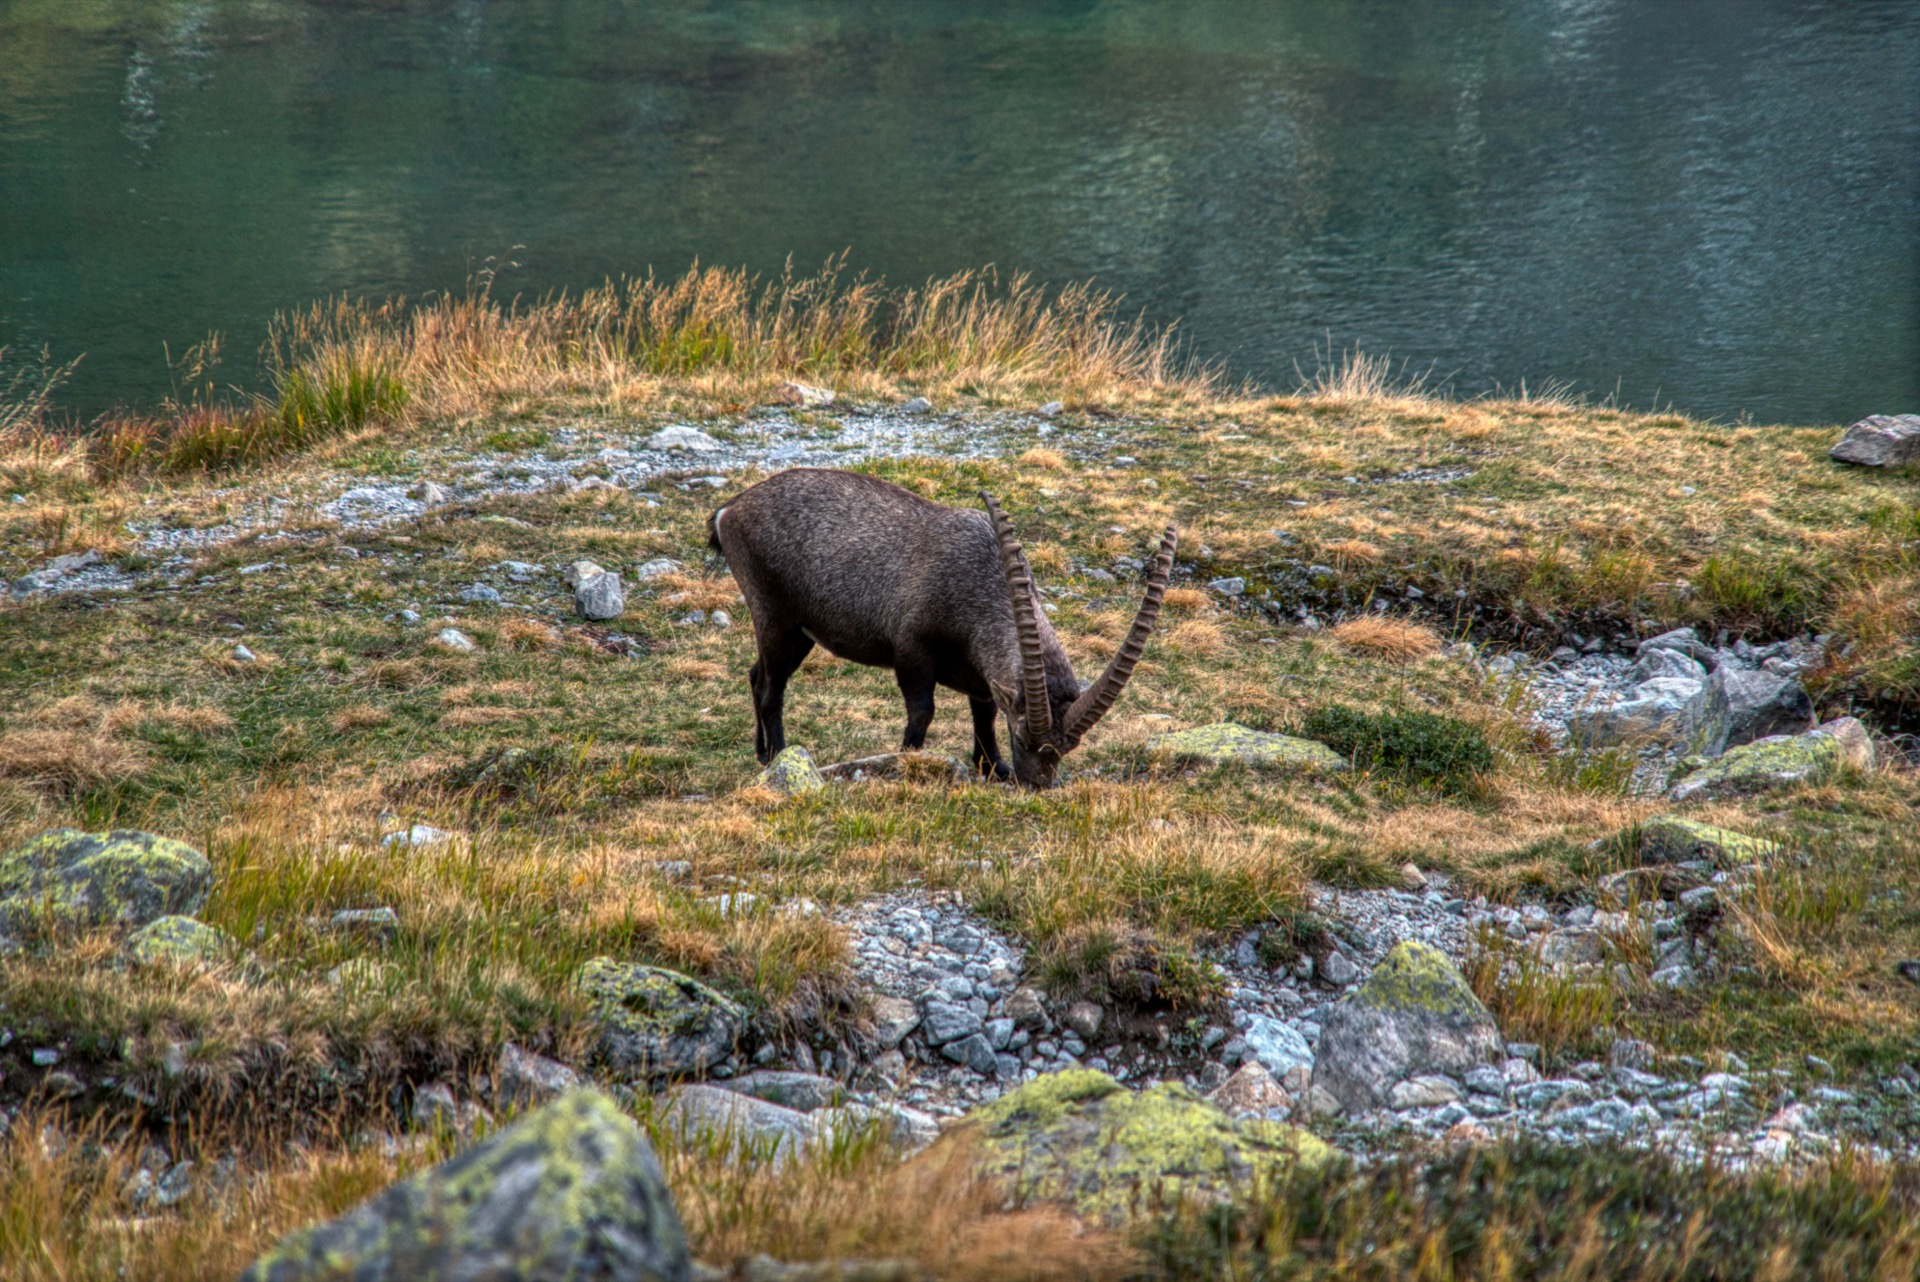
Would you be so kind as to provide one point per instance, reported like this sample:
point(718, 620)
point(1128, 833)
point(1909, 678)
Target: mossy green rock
point(1081, 1137)
point(180, 940)
point(1780, 761)
point(658, 1023)
point(572, 1191)
point(1415, 1015)
point(1224, 742)
point(1669, 839)
point(792, 772)
point(68, 878)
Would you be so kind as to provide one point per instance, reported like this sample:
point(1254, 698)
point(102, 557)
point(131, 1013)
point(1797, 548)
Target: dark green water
point(1708, 203)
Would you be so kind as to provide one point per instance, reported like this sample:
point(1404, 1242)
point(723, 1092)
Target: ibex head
point(1043, 727)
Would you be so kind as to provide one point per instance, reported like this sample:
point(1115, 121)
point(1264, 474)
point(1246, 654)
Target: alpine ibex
point(941, 595)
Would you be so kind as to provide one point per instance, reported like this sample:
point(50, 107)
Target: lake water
point(1713, 204)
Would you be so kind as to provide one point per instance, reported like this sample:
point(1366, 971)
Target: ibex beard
point(942, 596)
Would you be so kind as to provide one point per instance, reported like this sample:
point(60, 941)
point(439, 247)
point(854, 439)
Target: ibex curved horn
point(1098, 697)
point(1033, 672)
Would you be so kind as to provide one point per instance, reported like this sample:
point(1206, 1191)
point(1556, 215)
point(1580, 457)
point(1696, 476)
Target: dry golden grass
point(697, 592)
point(1044, 459)
point(1198, 638)
point(360, 716)
point(529, 635)
point(64, 760)
point(1186, 600)
point(1401, 640)
point(698, 669)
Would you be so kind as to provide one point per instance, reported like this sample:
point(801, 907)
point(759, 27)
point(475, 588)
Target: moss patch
point(1225, 742)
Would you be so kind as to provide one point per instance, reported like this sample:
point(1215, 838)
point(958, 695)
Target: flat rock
point(1414, 1016)
point(743, 1121)
point(1658, 709)
point(897, 765)
point(791, 773)
point(179, 940)
point(1226, 742)
point(1426, 1091)
point(1780, 761)
point(1079, 1136)
point(659, 567)
point(680, 437)
point(658, 1023)
point(893, 1019)
point(1880, 440)
point(1673, 839)
point(803, 1092)
point(571, 1191)
point(802, 394)
point(67, 879)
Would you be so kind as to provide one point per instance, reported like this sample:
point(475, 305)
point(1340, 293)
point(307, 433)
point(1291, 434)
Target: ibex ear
point(1006, 699)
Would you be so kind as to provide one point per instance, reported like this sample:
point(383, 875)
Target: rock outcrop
point(179, 940)
point(1671, 839)
point(572, 1191)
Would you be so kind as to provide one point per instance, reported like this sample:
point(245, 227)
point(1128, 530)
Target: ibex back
point(941, 595)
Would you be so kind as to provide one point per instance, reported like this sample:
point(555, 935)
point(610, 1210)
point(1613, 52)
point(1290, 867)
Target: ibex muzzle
point(943, 596)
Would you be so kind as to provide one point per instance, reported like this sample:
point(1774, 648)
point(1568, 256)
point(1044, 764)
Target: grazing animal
point(941, 595)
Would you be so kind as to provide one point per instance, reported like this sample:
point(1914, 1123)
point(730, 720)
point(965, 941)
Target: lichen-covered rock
point(1740, 705)
point(792, 773)
point(572, 1191)
point(1082, 1138)
point(180, 940)
point(657, 1023)
point(1415, 1015)
point(1670, 839)
point(1224, 742)
point(121, 878)
point(1779, 761)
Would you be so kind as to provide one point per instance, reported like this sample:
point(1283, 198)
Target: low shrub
point(1422, 747)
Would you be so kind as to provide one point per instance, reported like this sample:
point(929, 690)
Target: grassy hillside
point(1376, 530)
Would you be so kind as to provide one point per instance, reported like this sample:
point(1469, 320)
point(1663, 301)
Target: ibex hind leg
point(780, 658)
point(986, 751)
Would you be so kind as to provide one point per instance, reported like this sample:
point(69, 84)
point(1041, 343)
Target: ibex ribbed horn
point(1033, 672)
point(1098, 697)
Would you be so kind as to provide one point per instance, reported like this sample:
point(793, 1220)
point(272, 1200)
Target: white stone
point(678, 437)
point(456, 640)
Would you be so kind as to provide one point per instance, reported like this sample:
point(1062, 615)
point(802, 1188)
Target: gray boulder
point(600, 597)
point(743, 1122)
point(1662, 662)
point(1279, 1047)
point(1740, 705)
point(1414, 1016)
point(802, 1091)
point(1661, 708)
point(1682, 640)
point(1880, 440)
point(571, 1191)
point(68, 879)
point(657, 1023)
point(523, 1080)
